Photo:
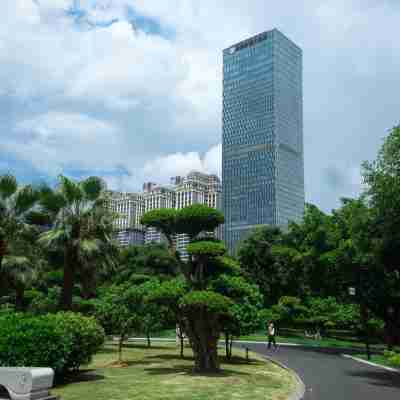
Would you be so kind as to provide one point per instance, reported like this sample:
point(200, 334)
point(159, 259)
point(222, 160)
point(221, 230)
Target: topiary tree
point(164, 220)
point(204, 312)
point(198, 218)
point(201, 310)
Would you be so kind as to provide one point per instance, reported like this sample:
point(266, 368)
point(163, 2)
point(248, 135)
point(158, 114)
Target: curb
point(371, 363)
point(301, 387)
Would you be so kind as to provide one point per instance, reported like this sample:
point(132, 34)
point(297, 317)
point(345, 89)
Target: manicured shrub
point(27, 341)
point(393, 358)
point(87, 337)
point(62, 341)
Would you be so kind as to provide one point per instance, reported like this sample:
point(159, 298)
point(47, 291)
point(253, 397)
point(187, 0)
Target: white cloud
point(180, 164)
point(109, 97)
point(57, 140)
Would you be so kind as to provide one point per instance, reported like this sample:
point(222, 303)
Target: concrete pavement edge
point(301, 387)
point(371, 363)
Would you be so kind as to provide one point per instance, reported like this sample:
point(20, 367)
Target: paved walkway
point(333, 377)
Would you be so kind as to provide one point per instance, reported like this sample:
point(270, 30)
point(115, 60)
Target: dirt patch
point(117, 364)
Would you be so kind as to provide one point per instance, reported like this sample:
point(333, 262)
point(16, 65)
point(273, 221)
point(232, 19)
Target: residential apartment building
point(129, 208)
point(195, 188)
point(154, 197)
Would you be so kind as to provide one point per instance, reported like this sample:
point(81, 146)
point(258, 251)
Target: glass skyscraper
point(262, 135)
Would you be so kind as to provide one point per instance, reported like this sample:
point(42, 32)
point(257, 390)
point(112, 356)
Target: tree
point(244, 313)
point(19, 259)
point(202, 308)
point(168, 294)
point(73, 207)
point(258, 262)
point(149, 315)
point(15, 204)
point(98, 252)
point(164, 220)
point(116, 310)
point(140, 263)
point(382, 178)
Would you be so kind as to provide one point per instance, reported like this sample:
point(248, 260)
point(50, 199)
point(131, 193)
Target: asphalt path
point(333, 377)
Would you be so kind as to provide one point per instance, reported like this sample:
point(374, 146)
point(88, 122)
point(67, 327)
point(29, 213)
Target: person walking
point(271, 335)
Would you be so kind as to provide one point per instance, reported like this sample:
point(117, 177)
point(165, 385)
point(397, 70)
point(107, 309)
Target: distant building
point(195, 188)
point(130, 236)
point(262, 135)
point(154, 198)
point(129, 208)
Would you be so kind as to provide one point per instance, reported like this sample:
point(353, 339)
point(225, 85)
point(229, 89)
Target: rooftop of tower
point(256, 39)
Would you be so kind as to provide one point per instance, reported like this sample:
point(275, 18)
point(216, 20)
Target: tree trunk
point(148, 339)
point(88, 285)
point(68, 279)
point(19, 298)
point(120, 343)
point(181, 340)
point(392, 328)
point(203, 334)
point(227, 353)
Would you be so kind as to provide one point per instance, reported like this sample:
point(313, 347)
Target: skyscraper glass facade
point(262, 138)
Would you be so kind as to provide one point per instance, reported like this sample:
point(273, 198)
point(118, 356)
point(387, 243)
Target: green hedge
point(62, 341)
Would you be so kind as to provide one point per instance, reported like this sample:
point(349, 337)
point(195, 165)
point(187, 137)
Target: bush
point(87, 337)
point(393, 358)
point(43, 303)
point(60, 341)
point(27, 341)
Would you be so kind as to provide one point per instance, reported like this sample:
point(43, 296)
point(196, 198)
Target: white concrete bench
point(26, 383)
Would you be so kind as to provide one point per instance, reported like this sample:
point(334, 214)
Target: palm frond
point(25, 199)
point(71, 190)
point(54, 238)
point(92, 187)
point(8, 186)
point(89, 247)
point(18, 269)
point(50, 201)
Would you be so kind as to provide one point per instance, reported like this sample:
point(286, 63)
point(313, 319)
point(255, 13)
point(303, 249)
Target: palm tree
point(16, 203)
point(99, 251)
point(20, 273)
point(71, 206)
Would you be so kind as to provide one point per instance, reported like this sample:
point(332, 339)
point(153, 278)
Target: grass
point(377, 359)
point(295, 337)
point(324, 342)
point(159, 373)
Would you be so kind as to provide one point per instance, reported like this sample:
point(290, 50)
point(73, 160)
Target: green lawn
point(159, 373)
point(377, 359)
point(324, 342)
point(295, 338)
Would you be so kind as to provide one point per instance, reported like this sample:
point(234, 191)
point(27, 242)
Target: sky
point(131, 90)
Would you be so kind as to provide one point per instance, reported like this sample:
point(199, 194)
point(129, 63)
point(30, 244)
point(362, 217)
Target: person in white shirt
point(271, 335)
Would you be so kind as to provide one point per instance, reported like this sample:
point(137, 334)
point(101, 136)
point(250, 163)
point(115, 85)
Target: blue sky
point(131, 89)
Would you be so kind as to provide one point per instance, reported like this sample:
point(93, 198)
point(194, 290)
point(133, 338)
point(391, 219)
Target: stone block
point(26, 383)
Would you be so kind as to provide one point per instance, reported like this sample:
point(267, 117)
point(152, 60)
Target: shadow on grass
point(107, 350)
point(188, 371)
point(235, 360)
point(131, 345)
point(88, 375)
